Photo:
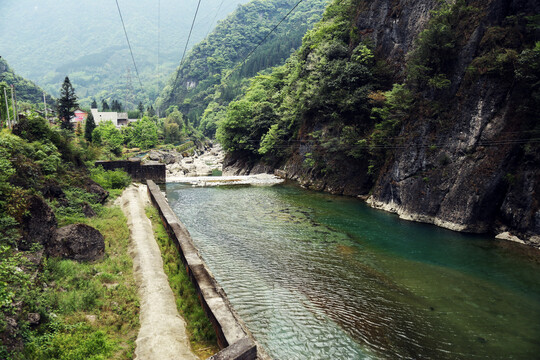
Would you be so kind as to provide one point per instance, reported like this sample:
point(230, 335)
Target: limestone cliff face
point(473, 166)
point(471, 171)
point(393, 26)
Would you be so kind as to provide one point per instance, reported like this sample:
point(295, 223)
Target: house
point(118, 119)
point(80, 116)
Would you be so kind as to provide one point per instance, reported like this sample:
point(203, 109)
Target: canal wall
point(234, 341)
point(137, 171)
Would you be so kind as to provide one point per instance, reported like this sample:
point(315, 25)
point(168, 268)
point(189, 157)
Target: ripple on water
point(310, 280)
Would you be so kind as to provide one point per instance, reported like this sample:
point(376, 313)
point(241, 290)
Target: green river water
point(316, 276)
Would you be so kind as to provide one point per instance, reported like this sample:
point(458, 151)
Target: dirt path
point(163, 332)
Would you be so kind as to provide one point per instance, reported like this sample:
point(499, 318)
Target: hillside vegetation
point(204, 84)
point(53, 307)
point(27, 91)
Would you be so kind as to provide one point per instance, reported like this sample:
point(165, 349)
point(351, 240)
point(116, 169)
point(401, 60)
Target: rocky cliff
point(473, 168)
point(465, 153)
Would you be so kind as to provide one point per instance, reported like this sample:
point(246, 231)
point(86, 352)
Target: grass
point(201, 333)
point(94, 306)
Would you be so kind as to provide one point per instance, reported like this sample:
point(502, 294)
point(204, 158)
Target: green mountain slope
point(193, 87)
point(26, 90)
point(45, 41)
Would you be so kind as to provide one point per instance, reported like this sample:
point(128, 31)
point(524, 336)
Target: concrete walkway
point(163, 332)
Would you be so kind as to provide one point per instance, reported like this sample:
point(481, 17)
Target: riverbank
point(197, 170)
point(79, 310)
point(203, 162)
point(203, 181)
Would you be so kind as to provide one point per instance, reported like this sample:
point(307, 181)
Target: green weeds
point(116, 179)
point(94, 306)
point(202, 335)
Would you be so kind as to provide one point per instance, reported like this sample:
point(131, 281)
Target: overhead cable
point(129, 45)
point(215, 16)
point(190, 30)
point(263, 40)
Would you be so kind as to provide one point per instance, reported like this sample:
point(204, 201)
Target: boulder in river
point(77, 242)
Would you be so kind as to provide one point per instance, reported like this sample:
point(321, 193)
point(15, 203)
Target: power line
point(190, 30)
point(215, 16)
point(263, 40)
point(129, 45)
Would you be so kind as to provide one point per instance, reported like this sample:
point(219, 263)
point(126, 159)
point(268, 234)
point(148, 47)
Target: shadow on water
point(318, 276)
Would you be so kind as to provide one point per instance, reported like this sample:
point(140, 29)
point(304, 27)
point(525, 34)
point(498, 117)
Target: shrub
point(110, 179)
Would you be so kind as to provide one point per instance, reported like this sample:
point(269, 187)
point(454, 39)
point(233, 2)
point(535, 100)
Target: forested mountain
point(26, 90)
point(194, 87)
point(46, 40)
point(427, 109)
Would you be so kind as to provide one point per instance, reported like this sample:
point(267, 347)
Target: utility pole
point(7, 109)
point(16, 106)
point(13, 106)
point(45, 106)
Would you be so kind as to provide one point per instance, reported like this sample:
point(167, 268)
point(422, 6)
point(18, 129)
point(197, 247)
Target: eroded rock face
point(467, 171)
point(38, 225)
point(393, 25)
point(77, 242)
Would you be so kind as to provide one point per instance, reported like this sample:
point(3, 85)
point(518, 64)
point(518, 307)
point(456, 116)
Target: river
point(316, 276)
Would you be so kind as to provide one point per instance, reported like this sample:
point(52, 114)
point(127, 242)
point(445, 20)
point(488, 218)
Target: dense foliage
point(326, 84)
point(37, 161)
point(332, 104)
point(204, 84)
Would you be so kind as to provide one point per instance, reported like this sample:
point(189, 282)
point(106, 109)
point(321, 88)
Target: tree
point(89, 128)
point(143, 134)
point(109, 136)
point(141, 109)
point(150, 111)
point(67, 103)
point(94, 104)
point(171, 131)
point(104, 105)
point(173, 125)
point(78, 129)
point(116, 106)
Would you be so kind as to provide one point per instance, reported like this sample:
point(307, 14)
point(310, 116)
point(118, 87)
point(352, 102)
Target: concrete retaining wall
point(232, 338)
point(137, 171)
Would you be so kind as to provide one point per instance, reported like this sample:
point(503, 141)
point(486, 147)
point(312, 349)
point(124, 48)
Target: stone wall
point(231, 334)
point(137, 171)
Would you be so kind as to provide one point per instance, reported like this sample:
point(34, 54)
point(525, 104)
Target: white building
point(118, 119)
